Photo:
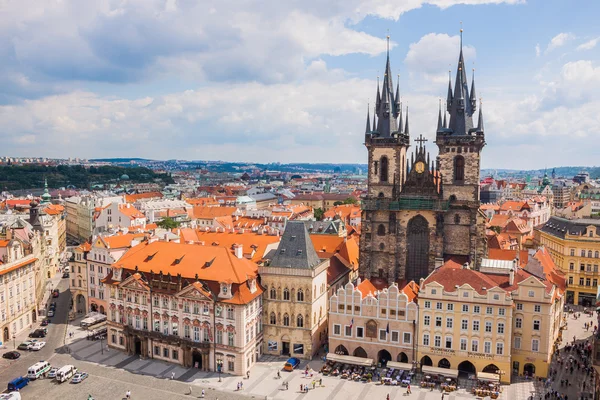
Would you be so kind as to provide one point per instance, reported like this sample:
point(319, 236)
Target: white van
point(65, 373)
point(38, 369)
point(10, 396)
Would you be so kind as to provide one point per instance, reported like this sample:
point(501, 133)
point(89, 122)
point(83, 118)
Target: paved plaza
point(112, 373)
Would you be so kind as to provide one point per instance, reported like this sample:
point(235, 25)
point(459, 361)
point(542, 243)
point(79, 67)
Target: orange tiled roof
point(86, 246)
point(201, 212)
point(514, 206)
point(249, 241)
point(326, 243)
point(130, 211)
point(349, 251)
point(366, 287)
point(248, 222)
point(132, 198)
point(202, 201)
point(451, 274)
point(121, 241)
point(509, 255)
point(18, 265)
point(411, 290)
point(4, 243)
point(54, 209)
point(344, 211)
point(211, 263)
point(499, 220)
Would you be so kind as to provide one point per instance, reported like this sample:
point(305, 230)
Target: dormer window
point(225, 290)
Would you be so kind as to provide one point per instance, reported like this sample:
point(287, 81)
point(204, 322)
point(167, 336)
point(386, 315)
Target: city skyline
point(168, 80)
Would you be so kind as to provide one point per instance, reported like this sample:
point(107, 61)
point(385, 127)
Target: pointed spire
point(397, 99)
point(439, 126)
point(400, 120)
point(444, 124)
point(449, 98)
point(472, 94)
point(374, 123)
point(461, 108)
point(406, 126)
point(368, 128)
point(378, 98)
point(480, 119)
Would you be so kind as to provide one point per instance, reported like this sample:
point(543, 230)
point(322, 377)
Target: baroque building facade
point(419, 211)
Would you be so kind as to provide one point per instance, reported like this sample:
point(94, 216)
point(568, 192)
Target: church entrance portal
point(417, 242)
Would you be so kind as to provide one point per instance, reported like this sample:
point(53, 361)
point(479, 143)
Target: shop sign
point(480, 355)
point(441, 350)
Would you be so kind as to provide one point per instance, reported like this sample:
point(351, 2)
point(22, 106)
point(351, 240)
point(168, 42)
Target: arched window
point(381, 195)
point(273, 293)
point(286, 294)
point(383, 176)
point(596, 254)
point(272, 319)
point(459, 169)
point(286, 320)
point(300, 321)
point(381, 246)
point(456, 219)
point(300, 295)
point(381, 230)
point(589, 254)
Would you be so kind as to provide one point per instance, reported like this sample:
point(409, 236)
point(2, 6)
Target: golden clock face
point(420, 167)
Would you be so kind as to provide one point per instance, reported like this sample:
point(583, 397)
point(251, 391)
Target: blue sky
point(290, 81)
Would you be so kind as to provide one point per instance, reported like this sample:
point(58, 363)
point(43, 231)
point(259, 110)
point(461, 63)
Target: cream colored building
point(499, 319)
point(368, 323)
point(188, 304)
point(18, 308)
point(295, 298)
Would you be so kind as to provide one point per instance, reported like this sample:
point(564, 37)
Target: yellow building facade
point(499, 319)
point(575, 249)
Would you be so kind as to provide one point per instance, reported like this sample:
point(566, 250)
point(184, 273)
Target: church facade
point(421, 211)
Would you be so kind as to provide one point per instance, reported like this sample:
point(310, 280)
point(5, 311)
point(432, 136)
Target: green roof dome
point(124, 177)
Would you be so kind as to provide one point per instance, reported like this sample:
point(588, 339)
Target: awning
point(488, 377)
point(363, 362)
point(399, 365)
point(451, 373)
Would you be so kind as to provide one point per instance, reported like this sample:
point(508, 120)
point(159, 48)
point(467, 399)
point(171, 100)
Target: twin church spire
point(387, 116)
point(461, 105)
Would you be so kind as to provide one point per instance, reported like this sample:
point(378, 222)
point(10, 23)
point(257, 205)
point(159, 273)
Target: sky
point(290, 81)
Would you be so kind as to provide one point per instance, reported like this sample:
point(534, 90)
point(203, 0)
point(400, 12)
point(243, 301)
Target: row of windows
point(286, 294)
point(465, 308)
point(464, 324)
point(487, 346)
point(584, 282)
point(286, 320)
point(394, 336)
point(583, 253)
point(392, 312)
point(583, 268)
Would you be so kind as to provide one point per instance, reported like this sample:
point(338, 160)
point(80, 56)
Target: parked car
point(291, 364)
point(27, 345)
point(79, 377)
point(38, 333)
point(65, 275)
point(17, 383)
point(53, 305)
point(11, 355)
point(38, 346)
point(55, 293)
point(51, 313)
point(45, 322)
point(52, 372)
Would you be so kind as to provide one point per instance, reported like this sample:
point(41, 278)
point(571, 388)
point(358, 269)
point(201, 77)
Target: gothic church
point(419, 212)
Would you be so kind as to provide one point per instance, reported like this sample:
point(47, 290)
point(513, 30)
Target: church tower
point(460, 143)
point(387, 143)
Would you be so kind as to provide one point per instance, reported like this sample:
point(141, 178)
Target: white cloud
point(434, 54)
point(559, 40)
point(590, 44)
point(538, 50)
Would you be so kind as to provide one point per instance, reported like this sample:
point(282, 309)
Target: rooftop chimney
point(238, 250)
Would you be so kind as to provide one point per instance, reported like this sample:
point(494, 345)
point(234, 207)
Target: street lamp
point(15, 341)
point(219, 368)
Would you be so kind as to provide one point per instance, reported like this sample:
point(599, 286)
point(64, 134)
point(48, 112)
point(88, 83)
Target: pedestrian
point(320, 381)
point(241, 385)
point(301, 388)
point(408, 389)
point(315, 383)
point(387, 397)
point(202, 394)
point(128, 394)
point(278, 375)
point(248, 375)
point(287, 386)
point(172, 376)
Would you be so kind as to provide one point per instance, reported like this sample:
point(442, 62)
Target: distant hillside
point(119, 160)
point(32, 176)
point(563, 172)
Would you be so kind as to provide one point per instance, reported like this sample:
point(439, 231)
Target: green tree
point(350, 200)
point(337, 203)
point(318, 212)
point(167, 223)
